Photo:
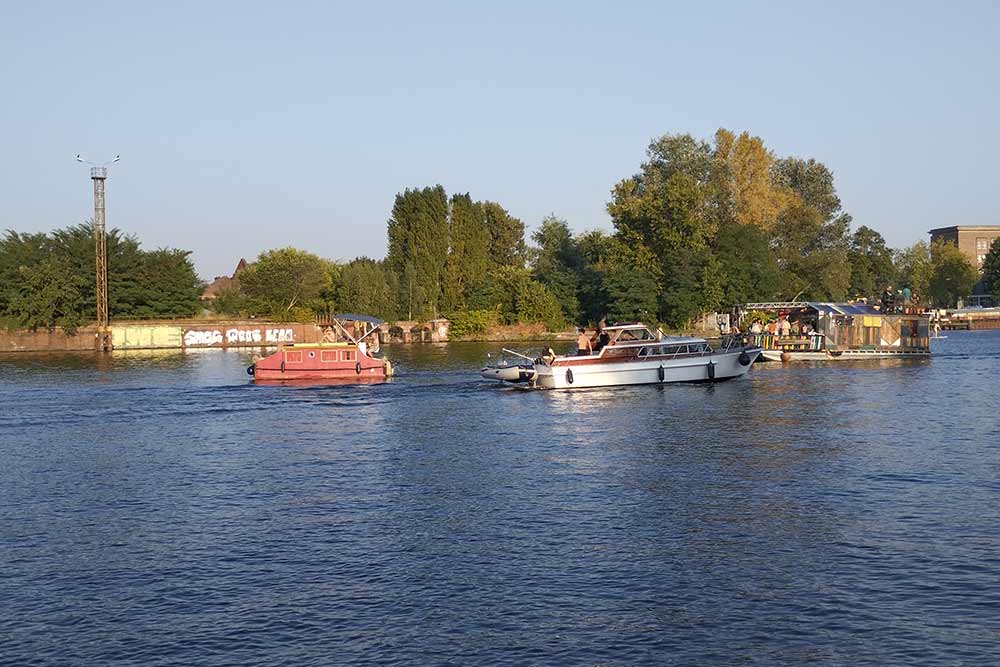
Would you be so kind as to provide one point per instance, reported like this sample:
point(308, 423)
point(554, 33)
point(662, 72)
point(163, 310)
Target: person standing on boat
point(583, 345)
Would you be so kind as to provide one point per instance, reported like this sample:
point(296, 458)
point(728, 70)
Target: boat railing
point(812, 342)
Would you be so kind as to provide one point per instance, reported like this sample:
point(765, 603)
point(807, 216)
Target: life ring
point(662, 373)
point(357, 368)
point(569, 375)
point(251, 369)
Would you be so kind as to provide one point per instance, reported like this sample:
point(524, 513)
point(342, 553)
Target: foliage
point(506, 236)
point(556, 264)
point(472, 322)
point(913, 269)
point(991, 270)
point(743, 170)
point(285, 284)
point(812, 256)
point(748, 268)
point(518, 298)
point(468, 254)
point(871, 264)
point(418, 249)
point(364, 287)
point(953, 276)
point(761, 316)
point(47, 280)
point(230, 301)
point(45, 296)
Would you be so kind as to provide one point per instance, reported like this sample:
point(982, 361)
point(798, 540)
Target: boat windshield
point(635, 335)
point(675, 350)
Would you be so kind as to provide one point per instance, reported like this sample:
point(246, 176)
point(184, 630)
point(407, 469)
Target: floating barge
point(843, 331)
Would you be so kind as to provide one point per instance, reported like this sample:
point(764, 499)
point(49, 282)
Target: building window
point(983, 245)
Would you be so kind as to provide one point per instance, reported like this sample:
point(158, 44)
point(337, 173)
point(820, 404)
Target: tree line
point(47, 280)
point(702, 225)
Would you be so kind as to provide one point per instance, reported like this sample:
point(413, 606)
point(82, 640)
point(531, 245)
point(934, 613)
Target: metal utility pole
point(98, 174)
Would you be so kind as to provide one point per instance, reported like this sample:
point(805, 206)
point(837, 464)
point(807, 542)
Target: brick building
point(974, 241)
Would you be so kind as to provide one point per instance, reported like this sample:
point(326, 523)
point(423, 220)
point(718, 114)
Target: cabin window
point(348, 355)
point(327, 356)
point(293, 357)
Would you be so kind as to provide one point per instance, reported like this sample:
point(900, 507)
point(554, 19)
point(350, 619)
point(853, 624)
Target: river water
point(158, 509)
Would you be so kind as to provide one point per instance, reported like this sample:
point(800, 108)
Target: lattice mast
point(99, 175)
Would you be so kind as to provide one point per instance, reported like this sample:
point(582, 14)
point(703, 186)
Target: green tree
point(506, 236)
point(418, 249)
point(468, 255)
point(871, 263)
point(18, 252)
point(230, 302)
point(811, 255)
point(596, 249)
point(747, 266)
point(364, 288)
point(45, 295)
point(516, 297)
point(953, 275)
point(169, 285)
point(556, 264)
point(991, 270)
point(663, 215)
point(913, 269)
point(287, 284)
point(812, 181)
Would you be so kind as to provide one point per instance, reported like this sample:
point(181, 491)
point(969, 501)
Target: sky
point(244, 126)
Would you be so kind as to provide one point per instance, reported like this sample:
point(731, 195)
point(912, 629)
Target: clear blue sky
point(247, 125)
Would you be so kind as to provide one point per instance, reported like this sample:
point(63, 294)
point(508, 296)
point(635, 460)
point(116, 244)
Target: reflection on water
point(810, 513)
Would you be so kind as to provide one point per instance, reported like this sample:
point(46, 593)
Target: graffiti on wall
point(237, 336)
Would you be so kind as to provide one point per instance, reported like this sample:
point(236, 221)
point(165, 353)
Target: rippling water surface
point(158, 509)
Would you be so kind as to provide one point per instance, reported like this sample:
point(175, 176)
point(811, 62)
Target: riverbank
point(196, 333)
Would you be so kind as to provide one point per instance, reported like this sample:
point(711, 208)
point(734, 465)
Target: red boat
point(350, 360)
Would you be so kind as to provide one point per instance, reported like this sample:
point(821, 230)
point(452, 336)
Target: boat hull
point(513, 374)
point(320, 374)
point(715, 367)
point(320, 361)
point(823, 355)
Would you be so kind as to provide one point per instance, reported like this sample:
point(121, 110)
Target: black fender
point(711, 370)
point(569, 375)
point(251, 369)
point(282, 365)
point(662, 373)
point(744, 358)
point(357, 368)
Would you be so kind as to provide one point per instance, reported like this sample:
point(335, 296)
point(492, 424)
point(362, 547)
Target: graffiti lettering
point(202, 338)
point(243, 336)
point(234, 336)
point(279, 336)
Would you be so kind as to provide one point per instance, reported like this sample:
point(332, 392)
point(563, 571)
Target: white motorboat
point(636, 355)
point(521, 370)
